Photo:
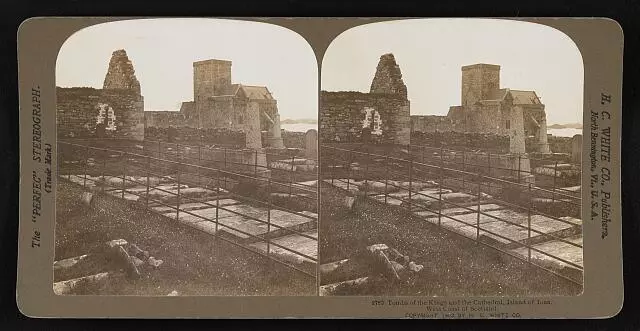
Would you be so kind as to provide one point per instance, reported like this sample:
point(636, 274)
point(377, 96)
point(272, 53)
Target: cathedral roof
point(519, 97)
point(525, 97)
point(252, 92)
point(498, 94)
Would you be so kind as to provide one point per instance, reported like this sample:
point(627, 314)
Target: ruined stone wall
point(94, 113)
point(253, 137)
point(431, 123)
point(164, 119)
point(484, 118)
point(344, 115)
point(556, 144)
point(188, 135)
point(291, 139)
point(516, 131)
point(120, 74)
point(218, 113)
point(462, 141)
point(270, 107)
point(388, 78)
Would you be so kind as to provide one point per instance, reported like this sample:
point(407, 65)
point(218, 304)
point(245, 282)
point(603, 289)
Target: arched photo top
point(163, 51)
point(431, 53)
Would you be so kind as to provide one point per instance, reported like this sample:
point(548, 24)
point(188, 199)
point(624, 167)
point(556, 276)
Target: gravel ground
point(194, 262)
point(454, 265)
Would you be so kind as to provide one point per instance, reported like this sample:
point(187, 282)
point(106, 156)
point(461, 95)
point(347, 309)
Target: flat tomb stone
point(208, 213)
point(560, 249)
point(295, 242)
point(461, 211)
point(547, 225)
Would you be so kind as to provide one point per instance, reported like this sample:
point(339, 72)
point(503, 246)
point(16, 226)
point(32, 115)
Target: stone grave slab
point(294, 242)
point(560, 249)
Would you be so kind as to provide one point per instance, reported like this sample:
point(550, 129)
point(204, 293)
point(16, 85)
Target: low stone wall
point(164, 119)
point(431, 123)
point(556, 144)
point(293, 139)
point(222, 137)
point(462, 141)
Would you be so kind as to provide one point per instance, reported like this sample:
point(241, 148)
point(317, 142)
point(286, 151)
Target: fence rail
point(550, 170)
point(116, 170)
point(359, 169)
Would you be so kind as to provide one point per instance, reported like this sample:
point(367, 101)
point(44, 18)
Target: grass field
point(454, 265)
point(195, 263)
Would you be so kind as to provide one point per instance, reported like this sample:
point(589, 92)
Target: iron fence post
point(489, 170)
point(441, 178)
point(269, 218)
point(178, 195)
point(217, 198)
point(529, 226)
point(225, 158)
point(410, 181)
point(555, 175)
point(348, 162)
point(199, 162)
point(69, 174)
point(291, 176)
point(519, 163)
point(366, 174)
point(104, 169)
point(386, 178)
point(478, 210)
point(464, 171)
point(86, 159)
point(255, 166)
point(148, 173)
point(124, 172)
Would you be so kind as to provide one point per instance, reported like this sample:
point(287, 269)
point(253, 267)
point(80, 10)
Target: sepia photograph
point(320, 167)
point(187, 160)
point(450, 160)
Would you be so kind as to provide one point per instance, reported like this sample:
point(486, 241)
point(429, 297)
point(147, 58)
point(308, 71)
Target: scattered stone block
point(415, 267)
point(127, 263)
point(136, 261)
point(348, 202)
point(68, 263)
point(156, 263)
point(116, 242)
point(67, 286)
point(87, 199)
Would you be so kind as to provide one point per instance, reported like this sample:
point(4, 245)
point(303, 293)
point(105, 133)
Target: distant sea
point(304, 127)
point(299, 127)
point(566, 132)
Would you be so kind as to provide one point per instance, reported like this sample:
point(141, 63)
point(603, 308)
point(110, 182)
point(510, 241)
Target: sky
point(163, 51)
point(431, 52)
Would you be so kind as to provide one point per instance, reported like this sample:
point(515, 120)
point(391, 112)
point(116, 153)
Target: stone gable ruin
point(219, 108)
point(380, 116)
point(115, 111)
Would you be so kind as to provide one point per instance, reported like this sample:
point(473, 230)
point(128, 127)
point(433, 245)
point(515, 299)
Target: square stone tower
point(479, 82)
point(210, 77)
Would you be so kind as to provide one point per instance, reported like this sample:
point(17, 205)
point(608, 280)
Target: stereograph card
point(438, 168)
